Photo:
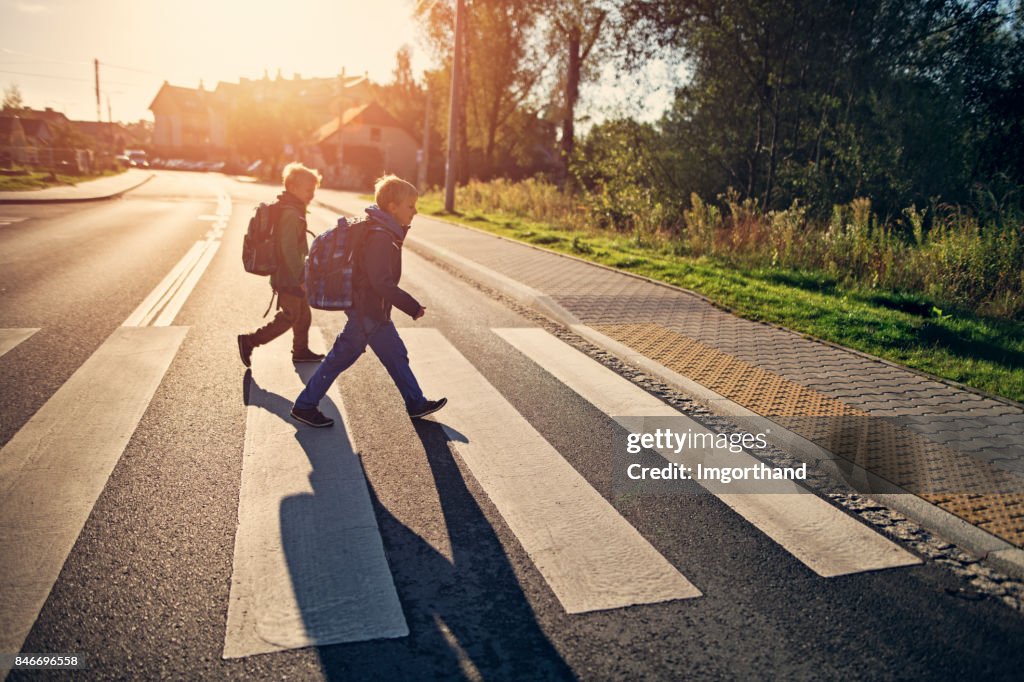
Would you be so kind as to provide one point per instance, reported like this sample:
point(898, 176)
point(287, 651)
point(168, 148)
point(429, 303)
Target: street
point(191, 530)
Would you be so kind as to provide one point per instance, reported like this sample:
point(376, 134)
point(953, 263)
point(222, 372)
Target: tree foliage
point(13, 101)
point(503, 130)
point(899, 100)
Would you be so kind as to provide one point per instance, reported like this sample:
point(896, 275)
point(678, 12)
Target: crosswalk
point(309, 564)
point(824, 538)
point(55, 467)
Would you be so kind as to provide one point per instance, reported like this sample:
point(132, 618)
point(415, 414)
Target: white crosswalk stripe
point(590, 556)
point(53, 470)
point(10, 338)
point(821, 536)
point(166, 300)
point(309, 563)
point(55, 467)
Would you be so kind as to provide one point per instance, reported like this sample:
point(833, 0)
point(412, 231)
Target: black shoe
point(306, 356)
point(429, 407)
point(245, 347)
point(311, 416)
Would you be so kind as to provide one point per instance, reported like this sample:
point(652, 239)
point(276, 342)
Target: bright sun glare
point(47, 46)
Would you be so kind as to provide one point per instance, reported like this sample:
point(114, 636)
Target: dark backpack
point(330, 265)
point(259, 250)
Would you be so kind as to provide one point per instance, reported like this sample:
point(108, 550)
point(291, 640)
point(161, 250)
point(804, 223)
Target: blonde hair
point(295, 172)
point(391, 189)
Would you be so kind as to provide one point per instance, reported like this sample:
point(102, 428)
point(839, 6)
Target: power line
point(45, 60)
point(70, 78)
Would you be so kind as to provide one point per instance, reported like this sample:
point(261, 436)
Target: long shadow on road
point(468, 617)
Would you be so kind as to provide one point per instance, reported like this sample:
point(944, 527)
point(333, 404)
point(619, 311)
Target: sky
point(47, 48)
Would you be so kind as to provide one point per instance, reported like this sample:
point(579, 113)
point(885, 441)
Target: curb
point(995, 551)
point(999, 553)
point(77, 200)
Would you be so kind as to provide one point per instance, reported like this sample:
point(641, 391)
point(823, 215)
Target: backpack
point(330, 265)
point(259, 252)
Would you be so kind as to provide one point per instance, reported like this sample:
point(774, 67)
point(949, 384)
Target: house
point(195, 123)
point(16, 131)
point(24, 141)
point(361, 144)
point(99, 136)
point(359, 140)
point(182, 127)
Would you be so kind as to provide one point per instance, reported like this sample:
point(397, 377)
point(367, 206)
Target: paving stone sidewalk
point(91, 190)
point(958, 449)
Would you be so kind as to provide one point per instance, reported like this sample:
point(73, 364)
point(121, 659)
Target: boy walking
point(289, 215)
point(377, 272)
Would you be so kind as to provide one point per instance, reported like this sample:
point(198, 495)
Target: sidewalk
point(959, 453)
point(92, 190)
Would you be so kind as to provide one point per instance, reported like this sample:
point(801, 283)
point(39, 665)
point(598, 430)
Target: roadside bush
point(950, 257)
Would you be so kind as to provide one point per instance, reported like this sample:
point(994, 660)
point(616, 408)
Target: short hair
point(391, 189)
point(296, 172)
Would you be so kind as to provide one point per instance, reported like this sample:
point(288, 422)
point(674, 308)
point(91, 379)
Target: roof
point(371, 114)
point(177, 97)
point(32, 127)
point(49, 115)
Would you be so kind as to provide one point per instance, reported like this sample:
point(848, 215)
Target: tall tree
point(576, 27)
point(504, 65)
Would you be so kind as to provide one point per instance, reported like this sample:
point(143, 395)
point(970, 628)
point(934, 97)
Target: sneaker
point(306, 356)
point(428, 407)
point(245, 347)
point(311, 416)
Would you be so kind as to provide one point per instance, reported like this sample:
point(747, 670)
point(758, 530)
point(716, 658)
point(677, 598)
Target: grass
point(985, 353)
point(41, 180)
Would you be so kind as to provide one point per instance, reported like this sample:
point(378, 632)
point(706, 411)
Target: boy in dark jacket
point(378, 270)
point(293, 313)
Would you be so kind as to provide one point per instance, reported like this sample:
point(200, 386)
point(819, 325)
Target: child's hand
point(420, 313)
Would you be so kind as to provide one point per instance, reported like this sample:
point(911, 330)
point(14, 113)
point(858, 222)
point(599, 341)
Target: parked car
point(137, 158)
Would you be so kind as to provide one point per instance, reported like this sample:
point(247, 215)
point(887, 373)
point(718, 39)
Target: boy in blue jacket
point(376, 291)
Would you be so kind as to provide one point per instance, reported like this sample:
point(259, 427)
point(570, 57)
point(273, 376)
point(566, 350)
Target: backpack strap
point(273, 293)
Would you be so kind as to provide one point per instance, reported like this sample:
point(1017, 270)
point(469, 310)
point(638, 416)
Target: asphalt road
point(144, 592)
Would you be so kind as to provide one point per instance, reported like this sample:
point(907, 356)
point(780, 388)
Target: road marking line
point(166, 300)
point(174, 306)
point(309, 562)
point(157, 299)
point(590, 556)
point(55, 467)
point(824, 538)
point(9, 338)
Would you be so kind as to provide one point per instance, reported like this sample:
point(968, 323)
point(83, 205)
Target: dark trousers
point(360, 332)
point(292, 313)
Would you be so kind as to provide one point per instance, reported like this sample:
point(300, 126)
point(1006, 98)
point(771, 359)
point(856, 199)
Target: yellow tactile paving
point(933, 471)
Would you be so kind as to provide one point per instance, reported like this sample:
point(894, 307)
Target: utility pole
point(99, 114)
point(453, 111)
point(425, 151)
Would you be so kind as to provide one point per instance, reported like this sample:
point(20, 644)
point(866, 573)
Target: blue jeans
point(360, 332)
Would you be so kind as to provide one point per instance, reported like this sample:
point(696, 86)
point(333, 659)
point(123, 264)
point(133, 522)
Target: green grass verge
point(39, 180)
point(985, 353)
